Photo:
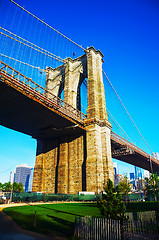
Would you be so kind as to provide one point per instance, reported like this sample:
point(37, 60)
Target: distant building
point(140, 173)
point(24, 174)
point(133, 185)
point(116, 180)
point(136, 172)
point(30, 182)
point(132, 176)
point(146, 174)
point(116, 175)
point(12, 177)
point(140, 184)
point(115, 168)
point(155, 155)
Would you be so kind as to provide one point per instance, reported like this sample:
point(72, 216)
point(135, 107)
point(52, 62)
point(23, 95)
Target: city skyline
point(127, 34)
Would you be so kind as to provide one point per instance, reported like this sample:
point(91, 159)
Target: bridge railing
point(62, 106)
point(123, 141)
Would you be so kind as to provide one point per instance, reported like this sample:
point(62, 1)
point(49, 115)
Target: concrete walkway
point(23, 204)
point(9, 230)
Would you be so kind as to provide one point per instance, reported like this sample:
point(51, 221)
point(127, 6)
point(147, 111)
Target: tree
point(111, 204)
point(18, 187)
point(7, 187)
point(124, 187)
point(15, 186)
point(152, 185)
point(1, 186)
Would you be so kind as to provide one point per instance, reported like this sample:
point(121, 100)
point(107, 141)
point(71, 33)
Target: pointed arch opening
point(82, 94)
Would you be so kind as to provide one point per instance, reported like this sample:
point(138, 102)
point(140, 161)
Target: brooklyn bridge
point(74, 150)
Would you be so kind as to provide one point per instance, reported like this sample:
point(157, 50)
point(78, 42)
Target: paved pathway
point(9, 230)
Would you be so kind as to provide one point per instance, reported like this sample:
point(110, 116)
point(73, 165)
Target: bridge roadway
point(25, 108)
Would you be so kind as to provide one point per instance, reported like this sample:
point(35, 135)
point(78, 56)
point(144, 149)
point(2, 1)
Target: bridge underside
point(133, 155)
point(23, 113)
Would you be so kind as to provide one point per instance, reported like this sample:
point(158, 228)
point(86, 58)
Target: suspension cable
point(127, 111)
point(124, 133)
point(21, 62)
point(47, 24)
point(115, 124)
point(31, 43)
point(31, 47)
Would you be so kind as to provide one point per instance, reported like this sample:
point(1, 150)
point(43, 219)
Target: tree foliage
point(8, 187)
point(111, 205)
point(152, 186)
point(124, 187)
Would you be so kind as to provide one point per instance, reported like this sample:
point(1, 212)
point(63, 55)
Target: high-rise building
point(23, 175)
point(140, 184)
point(132, 176)
point(12, 177)
point(146, 174)
point(29, 182)
point(155, 155)
point(136, 172)
point(115, 168)
point(116, 175)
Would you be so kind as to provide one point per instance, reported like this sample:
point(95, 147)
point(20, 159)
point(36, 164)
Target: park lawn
point(58, 219)
point(51, 219)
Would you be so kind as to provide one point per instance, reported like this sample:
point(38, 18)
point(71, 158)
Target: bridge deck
point(30, 112)
point(25, 108)
point(127, 152)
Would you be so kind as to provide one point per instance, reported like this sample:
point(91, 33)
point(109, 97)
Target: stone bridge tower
point(83, 161)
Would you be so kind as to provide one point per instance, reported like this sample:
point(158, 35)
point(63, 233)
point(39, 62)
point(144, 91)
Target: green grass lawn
point(51, 218)
point(56, 219)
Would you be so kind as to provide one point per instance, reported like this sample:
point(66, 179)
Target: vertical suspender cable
point(47, 24)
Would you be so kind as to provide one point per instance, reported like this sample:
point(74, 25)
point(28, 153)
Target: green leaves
point(7, 187)
point(152, 186)
point(124, 187)
point(111, 205)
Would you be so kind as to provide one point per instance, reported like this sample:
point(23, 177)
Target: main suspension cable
point(47, 24)
point(127, 111)
point(31, 47)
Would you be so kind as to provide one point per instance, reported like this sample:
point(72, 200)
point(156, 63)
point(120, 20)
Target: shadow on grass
point(45, 224)
point(25, 221)
point(50, 219)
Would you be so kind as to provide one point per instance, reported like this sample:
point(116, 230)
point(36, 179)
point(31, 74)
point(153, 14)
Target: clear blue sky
point(127, 33)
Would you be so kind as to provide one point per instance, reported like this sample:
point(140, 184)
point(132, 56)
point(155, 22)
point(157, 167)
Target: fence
point(90, 228)
point(34, 197)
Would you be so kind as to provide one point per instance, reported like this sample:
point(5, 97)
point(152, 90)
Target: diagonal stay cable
point(127, 111)
point(116, 125)
point(120, 128)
